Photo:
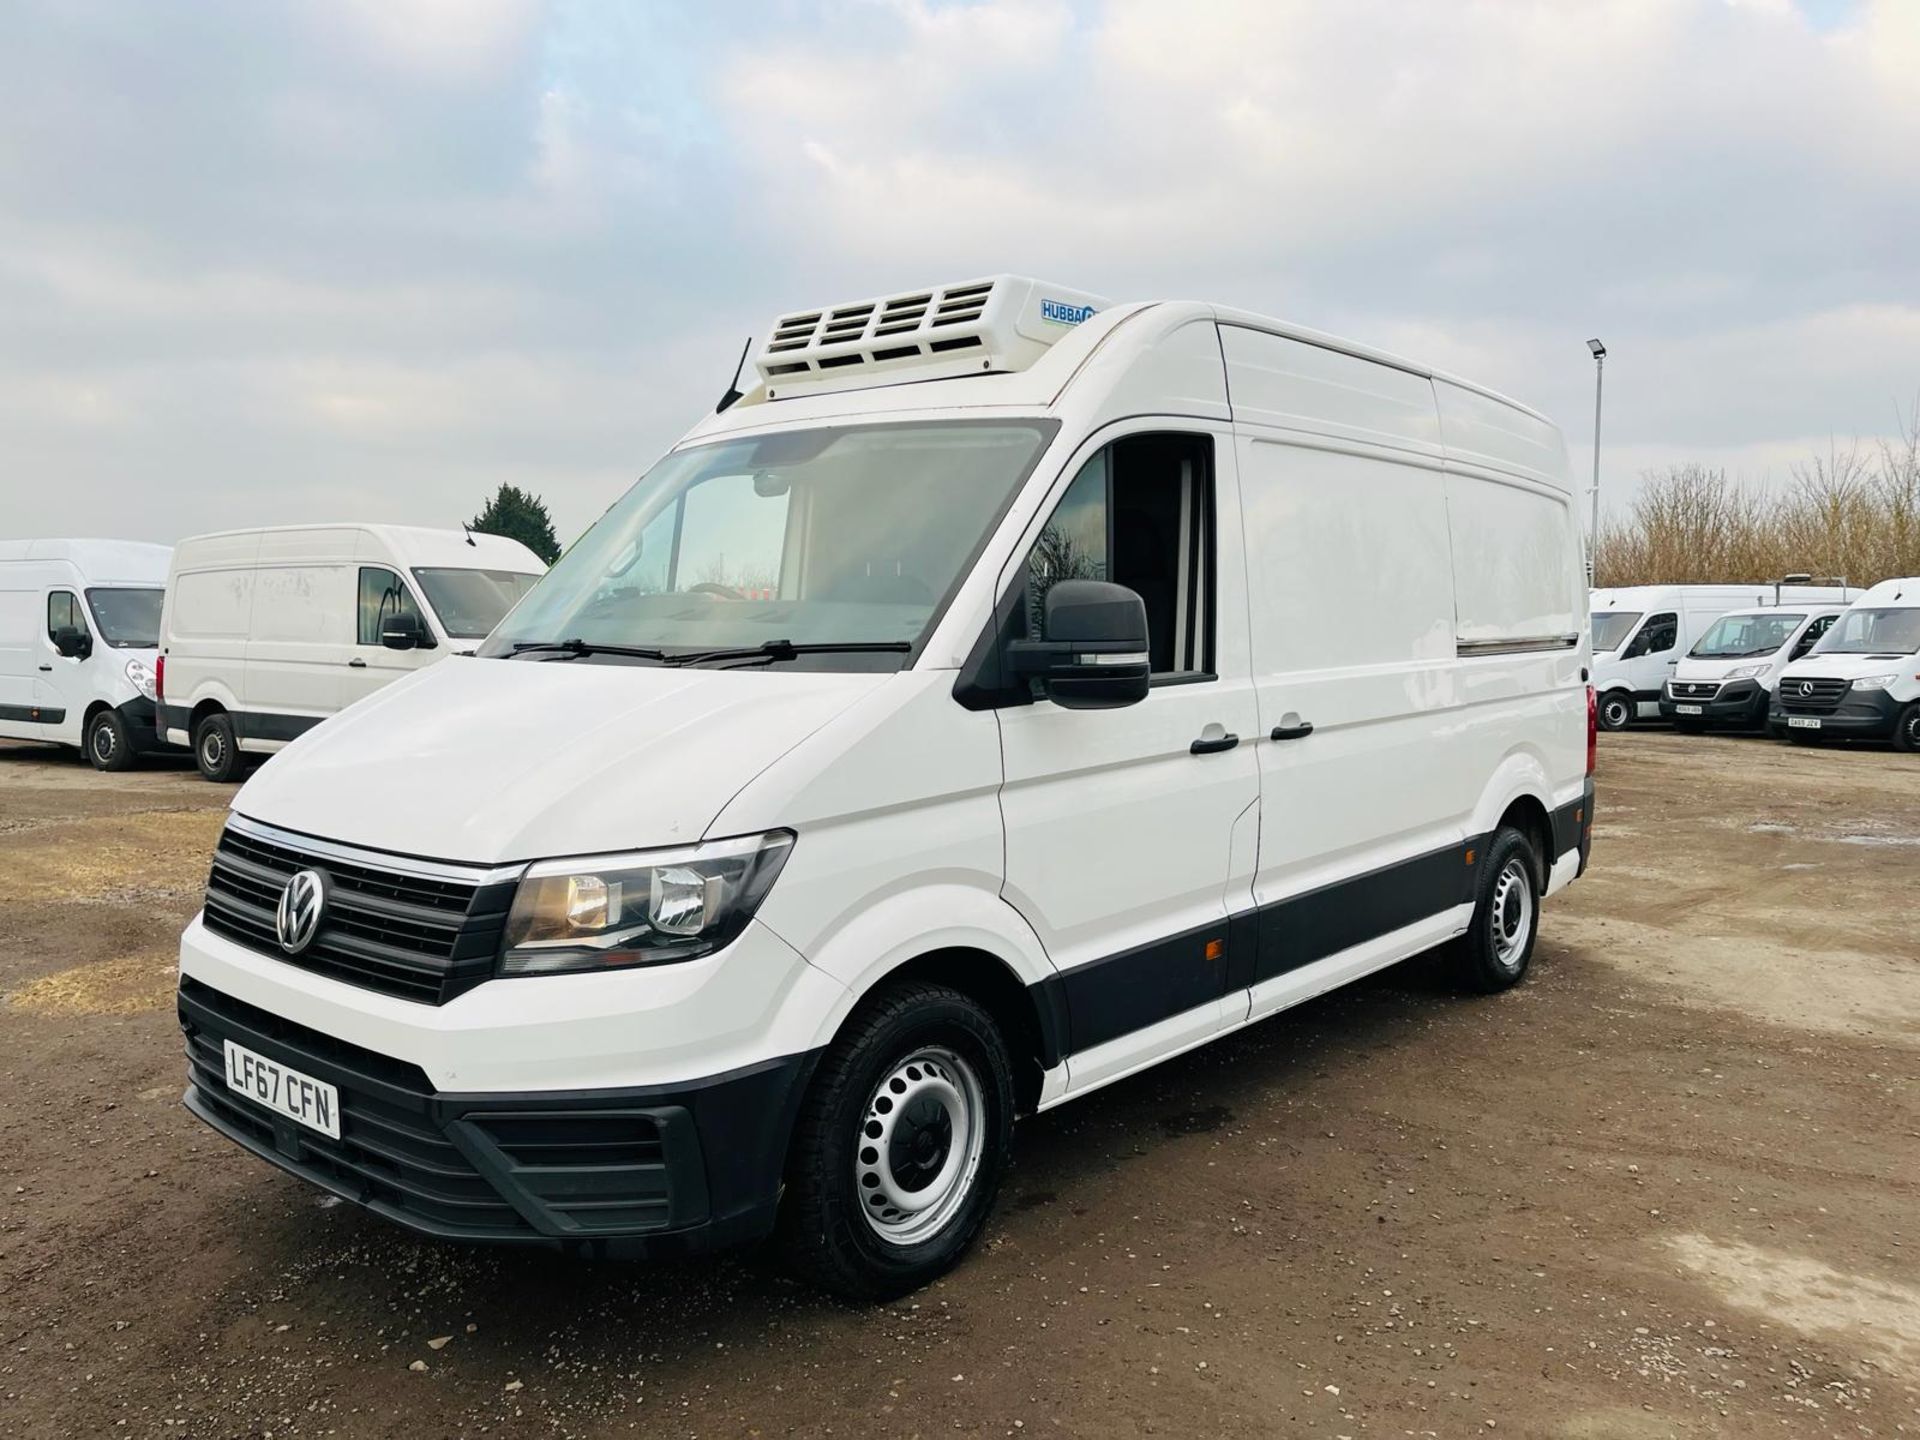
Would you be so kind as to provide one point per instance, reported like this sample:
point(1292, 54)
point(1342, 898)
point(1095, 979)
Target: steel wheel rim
point(1616, 713)
point(1512, 917)
point(212, 749)
point(922, 1135)
point(1913, 729)
point(103, 742)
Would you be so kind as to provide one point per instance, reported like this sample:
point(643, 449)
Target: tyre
point(1906, 730)
point(107, 743)
point(1498, 945)
point(900, 1144)
point(1616, 710)
point(215, 750)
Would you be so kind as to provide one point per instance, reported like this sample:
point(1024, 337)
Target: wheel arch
point(1520, 795)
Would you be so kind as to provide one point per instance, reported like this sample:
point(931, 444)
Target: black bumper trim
point(1740, 701)
point(645, 1172)
point(1860, 715)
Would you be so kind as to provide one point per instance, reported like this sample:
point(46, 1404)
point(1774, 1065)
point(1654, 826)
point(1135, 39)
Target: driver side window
point(1657, 636)
point(1140, 514)
point(382, 593)
point(1812, 633)
point(63, 612)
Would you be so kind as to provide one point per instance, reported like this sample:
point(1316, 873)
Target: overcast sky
point(365, 259)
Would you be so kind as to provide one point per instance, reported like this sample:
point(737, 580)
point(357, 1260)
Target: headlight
point(1874, 682)
point(649, 907)
point(140, 677)
point(1746, 672)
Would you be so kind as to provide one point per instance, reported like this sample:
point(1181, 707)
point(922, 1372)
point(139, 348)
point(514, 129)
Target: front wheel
point(1498, 945)
point(108, 745)
point(215, 750)
point(900, 1145)
point(1906, 730)
point(1616, 710)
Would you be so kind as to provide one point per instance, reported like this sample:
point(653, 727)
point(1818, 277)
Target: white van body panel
point(48, 696)
point(264, 624)
point(1695, 607)
point(1366, 697)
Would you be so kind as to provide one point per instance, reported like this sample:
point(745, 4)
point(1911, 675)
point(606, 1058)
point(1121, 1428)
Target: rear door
point(1128, 829)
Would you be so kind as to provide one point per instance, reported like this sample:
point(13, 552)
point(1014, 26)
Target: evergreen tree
point(520, 515)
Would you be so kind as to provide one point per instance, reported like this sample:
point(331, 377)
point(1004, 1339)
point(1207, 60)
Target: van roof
point(1008, 369)
point(410, 544)
point(1901, 593)
point(120, 562)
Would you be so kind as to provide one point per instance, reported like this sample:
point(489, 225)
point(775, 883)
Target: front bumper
point(1738, 702)
point(653, 1171)
point(140, 715)
point(1860, 715)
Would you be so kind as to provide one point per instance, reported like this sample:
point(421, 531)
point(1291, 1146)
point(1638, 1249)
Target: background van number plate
point(1802, 722)
point(314, 1103)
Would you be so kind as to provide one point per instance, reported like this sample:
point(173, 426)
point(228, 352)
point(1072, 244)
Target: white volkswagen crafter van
point(952, 724)
point(1727, 678)
point(268, 632)
point(78, 623)
point(1640, 633)
point(1862, 680)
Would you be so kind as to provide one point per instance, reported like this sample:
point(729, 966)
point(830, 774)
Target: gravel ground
point(1668, 1187)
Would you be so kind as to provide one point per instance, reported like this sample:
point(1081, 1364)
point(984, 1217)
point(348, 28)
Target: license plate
point(314, 1103)
point(1689, 709)
point(1802, 722)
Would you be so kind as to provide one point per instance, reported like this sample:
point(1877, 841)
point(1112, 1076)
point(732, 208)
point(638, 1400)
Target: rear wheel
point(900, 1145)
point(1616, 710)
point(108, 745)
point(1906, 730)
point(215, 750)
point(1498, 945)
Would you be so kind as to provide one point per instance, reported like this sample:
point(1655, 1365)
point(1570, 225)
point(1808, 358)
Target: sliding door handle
point(1213, 746)
point(356, 663)
point(1299, 730)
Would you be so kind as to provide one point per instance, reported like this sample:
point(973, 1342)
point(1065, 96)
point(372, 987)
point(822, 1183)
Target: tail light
point(1593, 728)
point(160, 677)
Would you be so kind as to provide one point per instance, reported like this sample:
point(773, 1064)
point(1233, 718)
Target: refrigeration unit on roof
point(1002, 323)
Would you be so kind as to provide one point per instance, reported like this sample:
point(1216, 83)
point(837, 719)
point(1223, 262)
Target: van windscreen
point(1611, 628)
point(128, 619)
point(1746, 637)
point(1894, 630)
point(850, 535)
point(471, 602)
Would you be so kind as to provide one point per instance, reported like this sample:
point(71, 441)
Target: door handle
point(1292, 732)
point(47, 668)
point(1214, 746)
point(356, 663)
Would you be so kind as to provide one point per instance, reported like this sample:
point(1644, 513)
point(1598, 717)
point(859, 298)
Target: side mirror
point(402, 630)
point(73, 642)
point(1094, 652)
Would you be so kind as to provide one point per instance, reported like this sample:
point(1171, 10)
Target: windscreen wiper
point(582, 647)
point(769, 650)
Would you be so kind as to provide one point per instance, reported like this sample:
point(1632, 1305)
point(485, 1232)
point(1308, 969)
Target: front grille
point(390, 1151)
point(1819, 696)
point(398, 927)
point(1694, 689)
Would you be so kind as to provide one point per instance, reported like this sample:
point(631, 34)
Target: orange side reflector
point(1469, 857)
point(1215, 949)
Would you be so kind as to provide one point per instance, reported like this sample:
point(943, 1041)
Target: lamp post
point(1593, 534)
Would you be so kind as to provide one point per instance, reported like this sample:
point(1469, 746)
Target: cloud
point(299, 261)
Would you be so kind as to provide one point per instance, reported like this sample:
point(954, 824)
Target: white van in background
point(1862, 680)
point(976, 711)
point(1641, 631)
point(1727, 678)
point(78, 624)
point(268, 632)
